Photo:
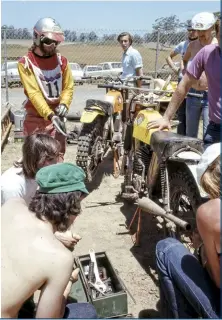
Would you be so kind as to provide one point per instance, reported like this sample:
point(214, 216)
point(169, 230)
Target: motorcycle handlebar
point(106, 85)
point(124, 87)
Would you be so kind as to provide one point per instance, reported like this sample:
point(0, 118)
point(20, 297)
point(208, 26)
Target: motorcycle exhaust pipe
point(151, 207)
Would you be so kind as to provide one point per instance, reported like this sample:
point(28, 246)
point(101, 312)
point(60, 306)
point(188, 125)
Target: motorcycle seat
point(104, 105)
point(166, 143)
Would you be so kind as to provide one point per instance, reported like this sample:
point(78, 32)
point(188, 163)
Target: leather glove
point(59, 125)
point(61, 110)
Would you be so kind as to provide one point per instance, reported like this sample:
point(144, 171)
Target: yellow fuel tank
point(116, 99)
point(141, 121)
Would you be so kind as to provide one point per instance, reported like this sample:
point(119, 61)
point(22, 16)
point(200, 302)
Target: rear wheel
point(90, 147)
point(184, 201)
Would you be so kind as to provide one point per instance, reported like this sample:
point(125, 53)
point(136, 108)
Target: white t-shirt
point(182, 47)
point(14, 184)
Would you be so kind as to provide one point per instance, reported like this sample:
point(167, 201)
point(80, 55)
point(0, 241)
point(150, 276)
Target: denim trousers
point(181, 115)
point(186, 290)
point(195, 106)
point(80, 311)
point(213, 134)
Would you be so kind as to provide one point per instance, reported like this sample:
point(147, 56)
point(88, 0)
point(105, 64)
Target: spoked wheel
point(90, 148)
point(184, 201)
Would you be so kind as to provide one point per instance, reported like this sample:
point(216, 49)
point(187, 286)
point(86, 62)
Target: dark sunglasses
point(49, 41)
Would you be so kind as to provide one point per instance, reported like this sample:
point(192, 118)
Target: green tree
point(92, 36)
point(167, 25)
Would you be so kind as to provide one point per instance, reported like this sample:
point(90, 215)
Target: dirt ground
point(103, 213)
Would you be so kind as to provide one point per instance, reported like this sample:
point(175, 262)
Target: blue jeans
point(186, 290)
point(181, 115)
point(213, 134)
point(194, 107)
point(80, 311)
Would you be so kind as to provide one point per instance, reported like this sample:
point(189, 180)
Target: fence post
point(157, 50)
point(6, 69)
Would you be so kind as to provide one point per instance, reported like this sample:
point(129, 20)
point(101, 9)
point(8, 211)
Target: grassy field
point(93, 53)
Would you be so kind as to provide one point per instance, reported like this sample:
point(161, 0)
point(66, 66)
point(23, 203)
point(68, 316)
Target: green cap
point(60, 178)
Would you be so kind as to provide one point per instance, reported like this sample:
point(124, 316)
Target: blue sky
point(105, 15)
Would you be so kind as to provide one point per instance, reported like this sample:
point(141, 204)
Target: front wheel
point(184, 202)
point(90, 147)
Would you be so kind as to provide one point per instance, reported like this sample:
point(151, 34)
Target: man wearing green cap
point(32, 258)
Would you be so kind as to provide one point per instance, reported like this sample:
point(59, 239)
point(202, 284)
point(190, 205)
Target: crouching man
point(32, 258)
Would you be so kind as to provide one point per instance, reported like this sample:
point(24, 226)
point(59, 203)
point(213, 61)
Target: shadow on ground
point(105, 168)
point(149, 236)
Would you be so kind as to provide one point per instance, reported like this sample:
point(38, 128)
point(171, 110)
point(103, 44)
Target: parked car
point(12, 73)
point(165, 71)
point(77, 72)
point(93, 71)
point(112, 69)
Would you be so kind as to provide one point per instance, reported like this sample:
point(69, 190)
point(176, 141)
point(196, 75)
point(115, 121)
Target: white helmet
point(203, 21)
point(48, 28)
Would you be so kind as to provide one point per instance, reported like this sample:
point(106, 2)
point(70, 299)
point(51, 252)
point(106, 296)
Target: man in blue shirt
point(131, 60)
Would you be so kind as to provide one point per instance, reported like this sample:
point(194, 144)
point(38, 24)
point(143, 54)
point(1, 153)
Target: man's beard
point(192, 39)
point(47, 53)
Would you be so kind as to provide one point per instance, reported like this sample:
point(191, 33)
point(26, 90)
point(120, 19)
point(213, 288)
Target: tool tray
point(110, 305)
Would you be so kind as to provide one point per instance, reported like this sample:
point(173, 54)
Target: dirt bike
point(160, 166)
point(100, 132)
point(102, 129)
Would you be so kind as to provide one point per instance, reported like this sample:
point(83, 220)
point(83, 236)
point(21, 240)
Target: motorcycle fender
point(190, 155)
point(89, 115)
point(141, 121)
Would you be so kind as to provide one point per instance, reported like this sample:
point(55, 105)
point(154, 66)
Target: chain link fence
point(89, 48)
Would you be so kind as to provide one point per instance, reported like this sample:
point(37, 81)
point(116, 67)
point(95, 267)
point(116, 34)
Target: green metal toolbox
point(112, 305)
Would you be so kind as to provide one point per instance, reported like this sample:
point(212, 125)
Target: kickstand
point(116, 165)
point(136, 236)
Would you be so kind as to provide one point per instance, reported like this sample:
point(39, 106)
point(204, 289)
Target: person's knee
point(90, 311)
point(80, 310)
point(164, 245)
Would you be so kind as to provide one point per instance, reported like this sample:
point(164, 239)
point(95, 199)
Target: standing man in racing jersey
point(47, 81)
point(181, 49)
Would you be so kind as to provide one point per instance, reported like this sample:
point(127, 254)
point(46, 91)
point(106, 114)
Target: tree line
point(170, 29)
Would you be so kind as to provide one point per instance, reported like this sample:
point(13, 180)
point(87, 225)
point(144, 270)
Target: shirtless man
point(32, 258)
point(204, 24)
point(181, 49)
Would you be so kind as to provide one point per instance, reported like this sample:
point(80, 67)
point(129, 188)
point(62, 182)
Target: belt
point(197, 95)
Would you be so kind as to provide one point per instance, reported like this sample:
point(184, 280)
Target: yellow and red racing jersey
point(47, 83)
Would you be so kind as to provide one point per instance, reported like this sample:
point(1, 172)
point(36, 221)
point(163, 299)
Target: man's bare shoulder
point(209, 212)
point(61, 260)
point(194, 44)
point(57, 252)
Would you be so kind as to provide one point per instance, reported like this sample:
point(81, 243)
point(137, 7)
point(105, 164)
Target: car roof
point(110, 62)
point(11, 61)
point(91, 65)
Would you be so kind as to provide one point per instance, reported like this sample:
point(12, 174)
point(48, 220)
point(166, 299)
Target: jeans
point(181, 115)
point(186, 290)
point(194, 107)
point(80, 311)
point(72, 310)
point(212, 134)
